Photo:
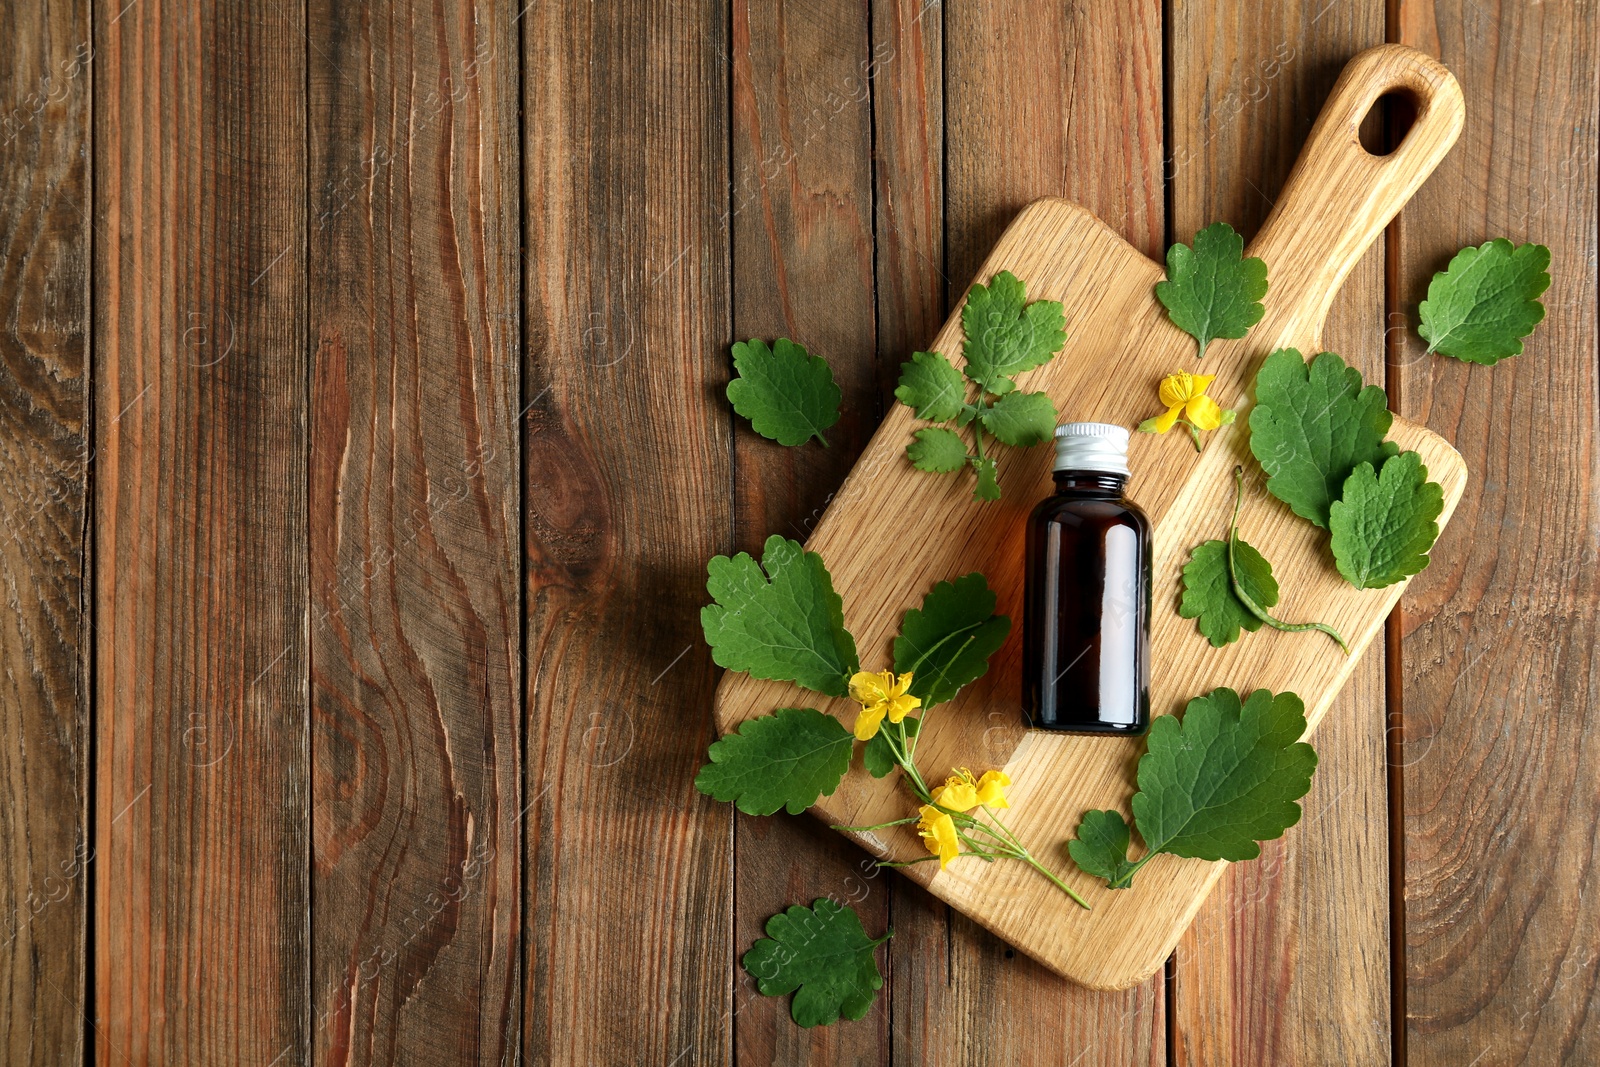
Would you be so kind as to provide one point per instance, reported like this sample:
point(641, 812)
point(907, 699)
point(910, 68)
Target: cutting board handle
point(1339, 196)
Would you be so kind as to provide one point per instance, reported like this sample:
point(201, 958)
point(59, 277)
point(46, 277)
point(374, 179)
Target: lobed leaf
point(1314, 423)
point(784, 760)
point(786, 624)
point(822, 955)
point(1385, 523)
point(788, 396)
point(1481, 307)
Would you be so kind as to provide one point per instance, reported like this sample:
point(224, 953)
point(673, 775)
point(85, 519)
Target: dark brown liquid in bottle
point(1086, 624)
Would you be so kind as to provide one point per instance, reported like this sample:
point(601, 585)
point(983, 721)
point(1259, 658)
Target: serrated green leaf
point(1021, 419)
point(936, 449)
point(1224, 778)
point(784, 760)
point(1312, 425)
point(947, 642)
point(988, 488)
point(1208, 595)
point(786, 624)
point(1211, 786)
point(932, 386)
point(1481, 307)
point(876, 757)
point(1006, 335)
point(823, 952)
point(787, 395)
point(1385, 523)
point(1211, 290)
point(1100, 848)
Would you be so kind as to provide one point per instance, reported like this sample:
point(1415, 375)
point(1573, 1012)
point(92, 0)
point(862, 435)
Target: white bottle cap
point(1092, 446)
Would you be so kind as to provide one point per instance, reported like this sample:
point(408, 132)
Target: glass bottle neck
point(1090, 483)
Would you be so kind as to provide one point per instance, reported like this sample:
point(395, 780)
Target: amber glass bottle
point(1086, 618)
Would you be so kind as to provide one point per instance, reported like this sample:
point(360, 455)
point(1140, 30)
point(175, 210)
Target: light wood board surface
point(891, 532)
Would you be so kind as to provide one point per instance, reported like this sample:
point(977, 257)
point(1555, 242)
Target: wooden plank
point(1034, 97)
point(1287, 961)
point(200, 369)
point(629, 895)
point(415, 285)
point(44, 454)
point(801, 224)
point(1501, 725)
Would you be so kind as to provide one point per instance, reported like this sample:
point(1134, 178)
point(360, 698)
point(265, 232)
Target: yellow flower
point(991, 789)
point(962, 792)
point(1184, 394)
point(879, 694)
point(938, 832)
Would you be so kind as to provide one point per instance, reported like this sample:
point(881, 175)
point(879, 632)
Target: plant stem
point(1245, 598)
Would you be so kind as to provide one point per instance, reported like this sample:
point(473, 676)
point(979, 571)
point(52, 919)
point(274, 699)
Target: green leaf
point(988, 488)
point(876, 757)
point(931, 385)
point(787, 395)
point(1481, 307)
point(784, 760)
point(947, 642)
point(823, 952)
point(1312, 425)
point(1211, 289)
point(1021, 419)
point(1101, 847)
point(1208, 595)
point(786, 625)
point(1005, 334)
point(936, 449)
point(1211, 786)
point(1226, 777)
point(1385, 523)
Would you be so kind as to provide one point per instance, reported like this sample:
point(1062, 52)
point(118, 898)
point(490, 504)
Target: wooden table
point(362, 445)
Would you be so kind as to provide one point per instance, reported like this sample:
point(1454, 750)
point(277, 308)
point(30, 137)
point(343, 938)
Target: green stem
point(1245, 598)
point(875, 826)
point(1194, 433)
point(1027, 857)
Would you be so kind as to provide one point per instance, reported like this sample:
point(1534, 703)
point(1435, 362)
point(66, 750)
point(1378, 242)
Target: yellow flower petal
point(1163, 423)
point(957, 795)
point(1204, 412)
point(868, 721)
point(938, 832)
point(900, 706)
point(867, 687)
point(1176, 389)
point(991, 789)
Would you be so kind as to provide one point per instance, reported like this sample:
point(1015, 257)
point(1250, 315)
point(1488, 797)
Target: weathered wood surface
point(1501, 645)
point(44, 538)
point(200, 363)
point(1287, 961)
point(628, 946)
point(800, 220)
point(337, 310)
point(415, 525)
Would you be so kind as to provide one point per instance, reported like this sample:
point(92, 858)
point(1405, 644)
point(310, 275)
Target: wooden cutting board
point(891, 532)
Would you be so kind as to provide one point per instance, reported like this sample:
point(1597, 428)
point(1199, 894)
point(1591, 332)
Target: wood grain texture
point(627, 485)
point(1502, 752)
point(1337, 194)
point(1287, 961)
point(200, 369)
point(801, 225)
point(415, 523)
point(1034, 96)
point(44, 562)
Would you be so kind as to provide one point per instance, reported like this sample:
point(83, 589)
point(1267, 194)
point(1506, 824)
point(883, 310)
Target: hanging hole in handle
point(1388, 121)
